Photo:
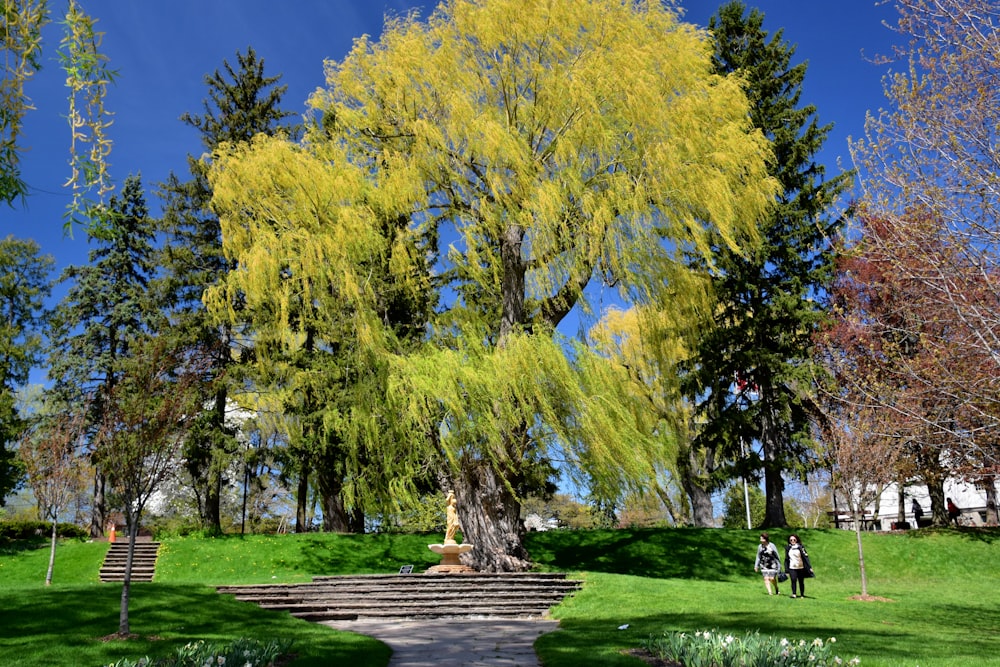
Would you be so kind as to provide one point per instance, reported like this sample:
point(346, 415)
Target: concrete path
point(455, 643)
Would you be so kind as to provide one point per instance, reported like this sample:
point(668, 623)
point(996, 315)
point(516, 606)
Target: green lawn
point(940, 605)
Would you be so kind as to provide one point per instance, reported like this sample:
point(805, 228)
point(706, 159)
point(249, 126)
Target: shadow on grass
point(364, 554)
point(654, 552)
point(59, 625)
point(593, 642)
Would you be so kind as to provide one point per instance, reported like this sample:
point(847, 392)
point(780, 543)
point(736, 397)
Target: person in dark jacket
point(797, 565)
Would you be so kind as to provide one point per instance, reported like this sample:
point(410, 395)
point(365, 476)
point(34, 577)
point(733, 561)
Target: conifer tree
point(242, 103)
point(759, 339)
point(107, 306)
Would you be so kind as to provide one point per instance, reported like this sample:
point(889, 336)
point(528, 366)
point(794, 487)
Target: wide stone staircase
point(143, 561)
point(413, 596)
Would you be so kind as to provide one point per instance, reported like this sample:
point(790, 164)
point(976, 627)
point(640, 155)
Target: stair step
point(144, 555)
point(462, 595)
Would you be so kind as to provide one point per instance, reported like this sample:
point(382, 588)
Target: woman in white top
point(797, 565)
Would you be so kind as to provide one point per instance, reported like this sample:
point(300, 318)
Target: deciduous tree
point(928, 166)
point(56, 472)
point(144, 421)
point(540, 148)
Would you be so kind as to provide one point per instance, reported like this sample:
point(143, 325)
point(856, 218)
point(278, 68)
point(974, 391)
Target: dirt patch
point(870, 598)
point(650, 659)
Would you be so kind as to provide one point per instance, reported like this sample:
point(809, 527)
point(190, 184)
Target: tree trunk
point(861, 552)
point(694, 472)
point(992, 518)
point(774, 485)
point(98, 513)
point(901, 506)
point(935, 489)
point(331, 487)
point(490, 516)
point(302, 499)
point(52, 553)
point(132, 522)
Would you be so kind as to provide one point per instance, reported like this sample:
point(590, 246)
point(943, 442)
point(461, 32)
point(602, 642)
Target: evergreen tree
point(107, 306)
point(24, 286)
point(242, 103)
point(760, 336)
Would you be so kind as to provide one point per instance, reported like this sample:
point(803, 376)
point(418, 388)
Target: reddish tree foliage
point(56, 474)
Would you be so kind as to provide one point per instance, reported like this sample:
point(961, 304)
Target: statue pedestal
point(450, 551)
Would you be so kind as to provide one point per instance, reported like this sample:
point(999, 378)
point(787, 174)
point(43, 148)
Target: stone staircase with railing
point(413, 596)
point(143, 561)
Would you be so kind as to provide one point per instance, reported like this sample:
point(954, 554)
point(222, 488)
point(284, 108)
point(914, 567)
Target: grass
point(941, 606)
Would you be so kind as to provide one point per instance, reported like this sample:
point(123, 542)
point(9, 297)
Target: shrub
point(27, 530)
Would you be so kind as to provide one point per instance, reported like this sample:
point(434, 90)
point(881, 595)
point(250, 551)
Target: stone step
point(143, 561)
point(464, 595)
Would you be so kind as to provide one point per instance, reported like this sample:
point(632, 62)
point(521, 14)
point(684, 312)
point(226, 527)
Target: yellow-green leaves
point(21, 24)
point(595, 126)
point(87, 77)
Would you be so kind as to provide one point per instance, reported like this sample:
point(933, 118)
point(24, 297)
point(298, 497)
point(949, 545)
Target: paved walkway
point(455, 643)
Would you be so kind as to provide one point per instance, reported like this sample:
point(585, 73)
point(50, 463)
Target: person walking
point(768, 564)
point(953, 512)
point(797, 565)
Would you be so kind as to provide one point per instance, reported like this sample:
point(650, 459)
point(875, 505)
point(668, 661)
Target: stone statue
point(450, 550)
point(452, 524)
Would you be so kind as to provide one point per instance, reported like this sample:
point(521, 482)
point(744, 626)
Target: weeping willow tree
point(88, 77)
point(534, 149)
point(649, 344)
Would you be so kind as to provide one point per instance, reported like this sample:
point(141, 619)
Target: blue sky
point(163, 50)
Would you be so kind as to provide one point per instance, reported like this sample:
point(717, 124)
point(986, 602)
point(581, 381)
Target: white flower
point(623, 627)
point(832, 640)
point(729, 639)
point(817, 642)
point(783, 642)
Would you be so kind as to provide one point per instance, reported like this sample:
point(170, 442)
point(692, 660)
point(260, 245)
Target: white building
point(884, 515)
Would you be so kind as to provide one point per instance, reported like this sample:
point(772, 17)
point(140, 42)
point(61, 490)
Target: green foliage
point(24, 286)
point(242, 102)
point(242, 652)
point(734, 506)
point(29, 530)
point(108, 303)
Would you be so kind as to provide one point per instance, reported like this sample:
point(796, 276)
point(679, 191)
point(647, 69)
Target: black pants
point(798, 579)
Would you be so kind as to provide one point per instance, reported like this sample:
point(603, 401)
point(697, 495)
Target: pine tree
point(242, 103)
point(107, 306)
point(768, 306)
